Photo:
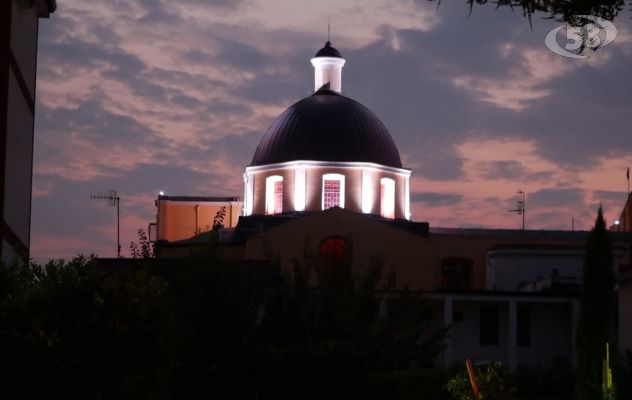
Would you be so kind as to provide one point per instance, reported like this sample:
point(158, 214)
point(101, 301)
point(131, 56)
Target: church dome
point(327, 126)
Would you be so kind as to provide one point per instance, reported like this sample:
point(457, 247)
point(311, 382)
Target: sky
point(173, 96)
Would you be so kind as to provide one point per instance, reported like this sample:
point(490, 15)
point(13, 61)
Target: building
point(327, 180)
point(19, 22)
point(181, 217)
point(624, 224)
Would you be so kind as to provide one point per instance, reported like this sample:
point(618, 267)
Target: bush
point(494, 383)
point(155, 329)
point(551, 381)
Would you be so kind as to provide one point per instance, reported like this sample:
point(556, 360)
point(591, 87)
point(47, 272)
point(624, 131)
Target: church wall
point(409, 255)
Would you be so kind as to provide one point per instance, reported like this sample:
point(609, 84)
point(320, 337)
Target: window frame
point(271, 195)
point(341, 194)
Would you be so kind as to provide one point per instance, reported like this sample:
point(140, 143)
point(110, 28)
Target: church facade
point(327, 177)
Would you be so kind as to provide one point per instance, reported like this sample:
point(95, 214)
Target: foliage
point(561, 10)
point(160, 329)
point(144, 248)
point(218, 220)
point(623, 376)
point(553, 381)
point(494, 383)
point(67, 331)
point(597, 311)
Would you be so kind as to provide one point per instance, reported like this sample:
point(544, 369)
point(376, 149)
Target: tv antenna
point(112, 199)
point(328, 29)
point(520, 207)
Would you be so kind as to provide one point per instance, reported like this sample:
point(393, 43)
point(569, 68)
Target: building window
point(455, 273)
point(333, 191)
point(332, 250)
point(387, 198)
point(523, 326)
point(488, 325)
point(334, 269)
point(274, 195)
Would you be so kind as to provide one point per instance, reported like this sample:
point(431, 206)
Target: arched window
point(334, 270)
point(387, 198)
point(333, 191)
point(332, 249)
point(456, 273)
point(274, 195)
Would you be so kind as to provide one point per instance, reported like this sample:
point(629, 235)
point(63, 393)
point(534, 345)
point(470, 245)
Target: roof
point(264, 222)
point(527, 234)
point(328, 51)
point(199, 198)
point(327, 126)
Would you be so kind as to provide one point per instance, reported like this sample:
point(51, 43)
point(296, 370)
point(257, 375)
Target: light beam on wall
point(387, 196)
point(367, 191)
point(407, 198)
point(299, 188)
point(248, 193)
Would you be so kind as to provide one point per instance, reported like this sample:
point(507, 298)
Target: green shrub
point(494, 383)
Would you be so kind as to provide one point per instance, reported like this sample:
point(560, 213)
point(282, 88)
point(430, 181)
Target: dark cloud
point(567, 197)
point(510, 170)
point(91, 121)
point(436, 199)
point(609, 195)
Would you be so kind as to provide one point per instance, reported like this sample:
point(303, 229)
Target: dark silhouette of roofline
point(199, 198)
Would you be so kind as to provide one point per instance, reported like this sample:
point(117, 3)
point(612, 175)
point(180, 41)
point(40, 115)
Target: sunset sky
point(173, 96)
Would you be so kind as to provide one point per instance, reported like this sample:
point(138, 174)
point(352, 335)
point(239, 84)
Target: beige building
point(182, 217)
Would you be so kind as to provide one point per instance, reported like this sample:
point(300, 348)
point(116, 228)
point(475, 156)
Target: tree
point(561, 10)
point(144, 248)
point(597, 310)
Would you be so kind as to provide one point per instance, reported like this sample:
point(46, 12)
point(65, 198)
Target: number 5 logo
point(586, 36)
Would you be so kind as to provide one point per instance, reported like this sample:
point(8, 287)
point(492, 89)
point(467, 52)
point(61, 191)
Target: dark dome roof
point(327, 126)
point(328, 51)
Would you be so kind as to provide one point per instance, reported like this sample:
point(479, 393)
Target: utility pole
point(521, 207)
point(112, 199)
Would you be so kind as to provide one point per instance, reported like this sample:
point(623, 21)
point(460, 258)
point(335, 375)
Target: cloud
point(436, 199)
point(556, 197)
point(174, 96)
point(510, 170)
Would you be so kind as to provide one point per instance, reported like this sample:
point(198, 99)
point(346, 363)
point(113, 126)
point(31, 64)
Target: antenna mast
point(112, 199)
point(521, 207)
